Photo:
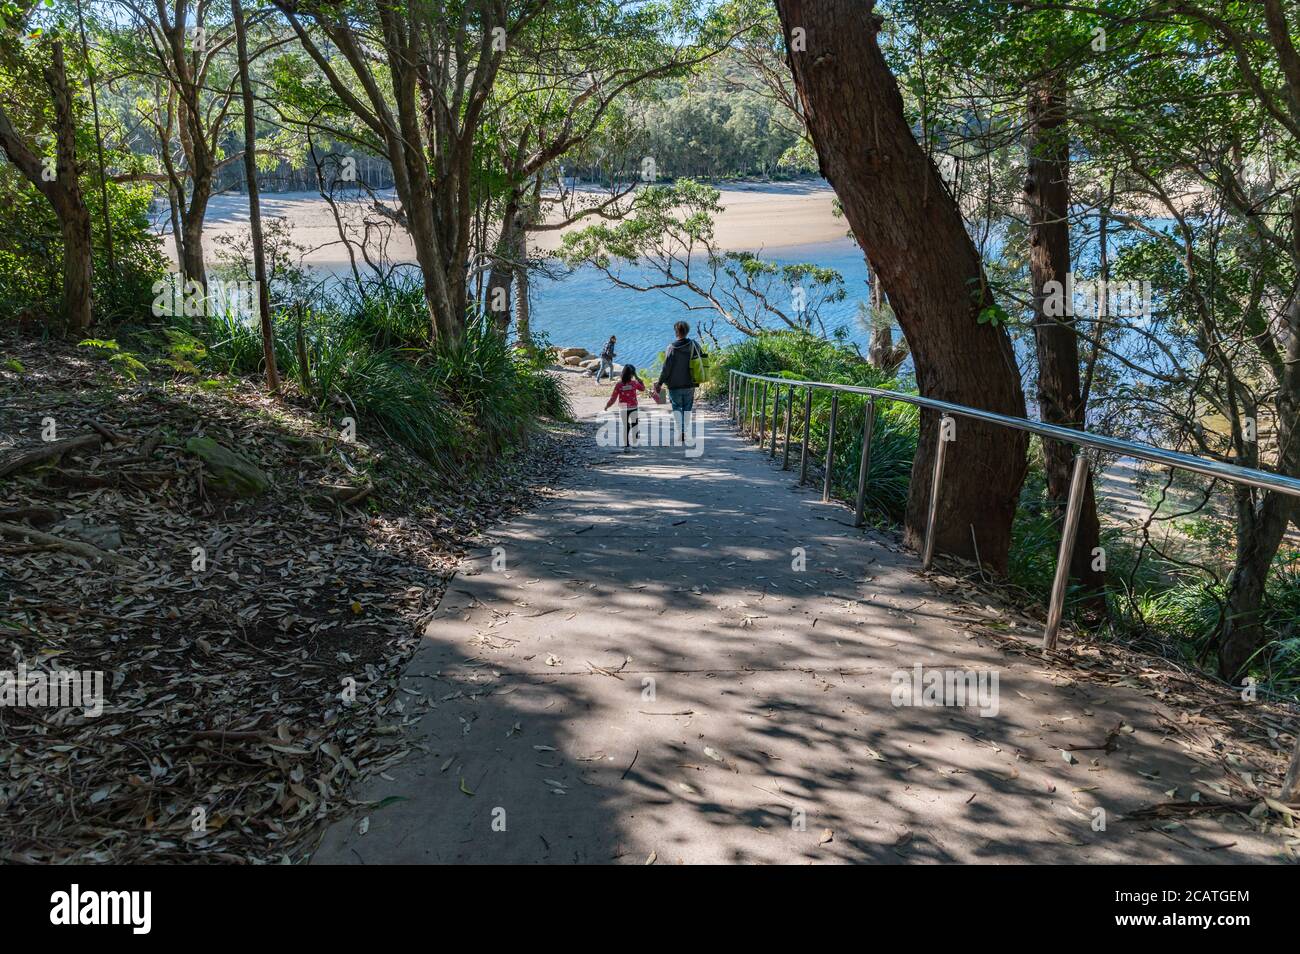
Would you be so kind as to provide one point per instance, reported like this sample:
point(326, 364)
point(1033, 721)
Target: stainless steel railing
point(744, 403)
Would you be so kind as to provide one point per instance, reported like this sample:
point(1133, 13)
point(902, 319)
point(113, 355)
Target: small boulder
point(574, 352)
point(103, 537)
point(228, 472)
point(572, 361)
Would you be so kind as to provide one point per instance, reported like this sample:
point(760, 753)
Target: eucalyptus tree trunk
point(911, 230)
point(509, 252)
point(523, 309)
point(1262, 516)
point(193, 134)
point(1291, 784)
point(1047, 202)
point(254, 202)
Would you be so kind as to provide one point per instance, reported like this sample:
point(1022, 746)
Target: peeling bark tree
point(1262, 516)
point(1047, 202)
point(420, 80)
point(254, 203)
point(62, 189)
point(911, 230)
point(199, 128)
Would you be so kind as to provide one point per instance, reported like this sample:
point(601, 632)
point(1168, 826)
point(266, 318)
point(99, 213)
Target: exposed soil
point(245, 691)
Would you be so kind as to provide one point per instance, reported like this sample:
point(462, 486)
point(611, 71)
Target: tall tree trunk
point(78, 265)
point(254, 203)
point(1261, 526)
point(192, 132)
point(1291, 784)
point(70, 203)
point(178, 238)
point(523, 309)
point(502, 273)
point(1047, 202)
point(911, 230)
point(99, 143)
point(191, 250)
point(426, 110)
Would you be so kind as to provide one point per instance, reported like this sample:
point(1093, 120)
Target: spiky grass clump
point(456, 404)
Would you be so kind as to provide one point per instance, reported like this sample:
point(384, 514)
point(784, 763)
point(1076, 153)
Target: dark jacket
point(608, 350)
point(677, 364)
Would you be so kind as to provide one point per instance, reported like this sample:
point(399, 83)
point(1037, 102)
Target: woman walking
point(680, 372)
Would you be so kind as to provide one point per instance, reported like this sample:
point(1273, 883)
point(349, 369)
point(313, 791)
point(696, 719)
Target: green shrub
point(31, 252)
point(457, 405)
point(801, 356)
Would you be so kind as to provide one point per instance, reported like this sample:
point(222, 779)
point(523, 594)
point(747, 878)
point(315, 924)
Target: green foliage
point(1175, 605)
point(502, 389)
point(669, 230)
point(31, 253)
point(803, 355)
point(709, 129)
point(994, 315)
point(457, 405)
point(124, 362)
point(390, 316)
point(31, 243)
point(384, 389)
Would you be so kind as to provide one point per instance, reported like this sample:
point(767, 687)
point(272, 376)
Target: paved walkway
point(649, 678)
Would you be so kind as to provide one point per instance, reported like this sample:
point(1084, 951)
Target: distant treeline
point(713, 127)
point(721, 131)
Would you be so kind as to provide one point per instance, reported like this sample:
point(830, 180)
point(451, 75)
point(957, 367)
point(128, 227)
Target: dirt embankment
point(246, 647)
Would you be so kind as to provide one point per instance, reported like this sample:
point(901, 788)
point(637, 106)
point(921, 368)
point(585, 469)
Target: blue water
point(584, 308)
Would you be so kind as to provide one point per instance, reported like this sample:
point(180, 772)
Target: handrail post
point(928, 554)
point(776, 408)
point(762, 417)
point(1078, 481)
point(868, 425)
point(803, 449)
point(830, 446)
point(731, 396)
point(789, 407)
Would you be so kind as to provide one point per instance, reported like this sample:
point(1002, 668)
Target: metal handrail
point(741, 393)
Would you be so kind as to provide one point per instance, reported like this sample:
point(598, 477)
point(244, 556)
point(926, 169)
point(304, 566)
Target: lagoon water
point(584, 308)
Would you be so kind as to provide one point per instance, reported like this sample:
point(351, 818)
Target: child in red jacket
point(625, 393)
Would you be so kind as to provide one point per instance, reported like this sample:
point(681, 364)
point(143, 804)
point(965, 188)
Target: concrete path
point(652, 677)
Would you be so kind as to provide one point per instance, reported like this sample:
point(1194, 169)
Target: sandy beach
point(758, 216)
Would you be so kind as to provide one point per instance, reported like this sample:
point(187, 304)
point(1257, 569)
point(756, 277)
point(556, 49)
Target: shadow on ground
point(692, 660)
